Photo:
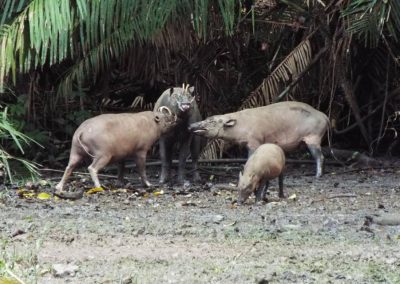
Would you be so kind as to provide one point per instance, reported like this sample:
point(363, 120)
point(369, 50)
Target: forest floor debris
point(199, 235)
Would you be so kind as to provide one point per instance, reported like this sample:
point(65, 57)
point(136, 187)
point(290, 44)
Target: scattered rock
point(387, 220)
point(139, 232)
point(63, 270)
point(262, 281)
point(128, 280)
point(17, 233)
point(188, 203)
point(217, 219)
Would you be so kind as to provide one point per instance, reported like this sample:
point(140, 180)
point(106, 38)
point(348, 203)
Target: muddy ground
point(196, 234)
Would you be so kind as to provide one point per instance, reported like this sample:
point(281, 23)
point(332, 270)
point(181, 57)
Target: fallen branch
point(355, 158)
point(233, 161)
point(71, 195)
point(348, 91)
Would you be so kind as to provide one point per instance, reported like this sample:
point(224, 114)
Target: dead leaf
point(95, 190)
point(293, 197)
point(157, 193)
point(43, 196)
point(119, 190)
point(25, 193)
point(5, 280)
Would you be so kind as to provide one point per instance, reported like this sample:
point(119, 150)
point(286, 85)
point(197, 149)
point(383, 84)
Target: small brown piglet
point(112, 137)
point(266, 163)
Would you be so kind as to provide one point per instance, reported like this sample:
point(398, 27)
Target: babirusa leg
point(316, 152)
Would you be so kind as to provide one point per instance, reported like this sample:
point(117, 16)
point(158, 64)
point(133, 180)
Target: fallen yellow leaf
point(4, 280)
point(119, 190)
point(24, 193)
point(43, 196)
point(157, 193)
point(94, 190)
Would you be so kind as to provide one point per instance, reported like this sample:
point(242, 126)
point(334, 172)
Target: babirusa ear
point(191, 90)
point(230, 123)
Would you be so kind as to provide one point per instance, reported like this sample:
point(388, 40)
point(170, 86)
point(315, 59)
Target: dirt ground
point(197, 235)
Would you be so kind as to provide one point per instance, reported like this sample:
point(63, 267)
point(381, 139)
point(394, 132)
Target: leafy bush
point(9, 133)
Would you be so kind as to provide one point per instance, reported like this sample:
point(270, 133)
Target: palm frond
point(368, 19)
point(228, 9)
point(8, 8)
point(97, 59)
point(288, 69)
point(269, 89)
point(7, 131)
point(213, 150)
point(51, 31)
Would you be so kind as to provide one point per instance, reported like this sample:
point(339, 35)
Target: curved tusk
point(162, 108)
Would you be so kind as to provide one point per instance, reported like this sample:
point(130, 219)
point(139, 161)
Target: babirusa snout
point(193, 126)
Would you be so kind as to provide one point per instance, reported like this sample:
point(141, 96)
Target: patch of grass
point(20, 263)
point(380, 273)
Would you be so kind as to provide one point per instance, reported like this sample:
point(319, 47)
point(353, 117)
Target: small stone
point(139, 232)
point(128, 280)
point(17, 233)
point(218, 219)
point(63, 270)
point(132, 197)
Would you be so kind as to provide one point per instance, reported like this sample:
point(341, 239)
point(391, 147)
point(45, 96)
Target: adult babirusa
point(113, 137)
point(182, 102)
point(287, 124)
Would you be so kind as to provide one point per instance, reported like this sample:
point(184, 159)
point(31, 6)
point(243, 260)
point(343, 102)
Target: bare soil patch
point(196, 234)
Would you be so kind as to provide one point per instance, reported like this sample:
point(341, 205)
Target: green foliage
point(9, 133)
point(369, 20)
point(92, 33)
point(16, 117)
